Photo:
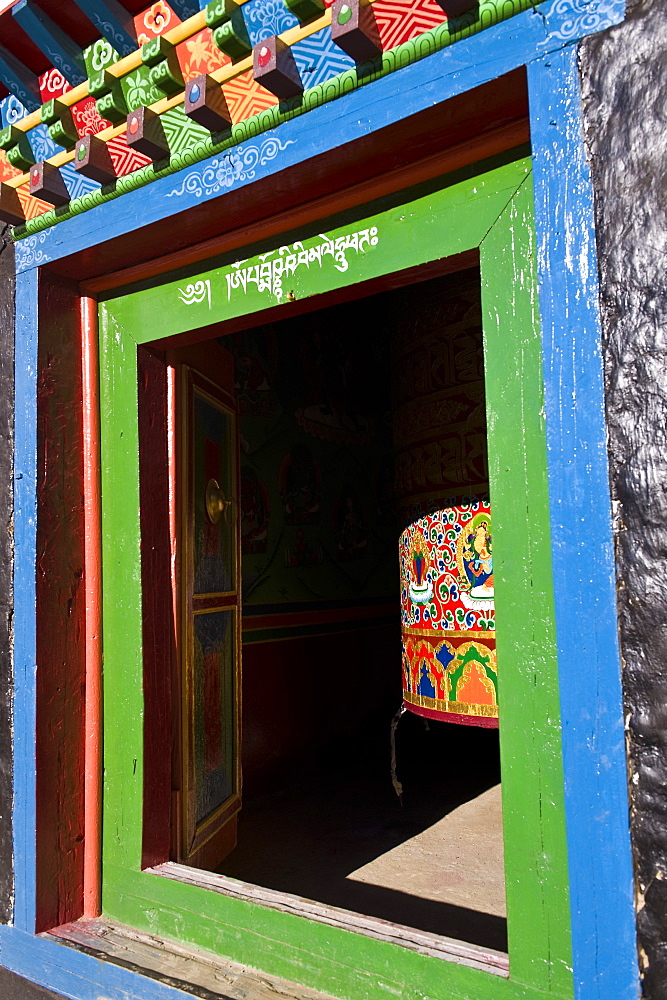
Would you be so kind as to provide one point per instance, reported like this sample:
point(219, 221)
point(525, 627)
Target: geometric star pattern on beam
point(245, 97)
point(400, 20)
point(318, 58)
point(181, 132)
point(124, 159)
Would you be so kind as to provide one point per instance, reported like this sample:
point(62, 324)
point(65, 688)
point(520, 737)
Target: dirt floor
point(433, 861)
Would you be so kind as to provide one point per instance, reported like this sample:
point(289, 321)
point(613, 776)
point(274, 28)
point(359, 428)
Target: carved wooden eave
point(92, 114)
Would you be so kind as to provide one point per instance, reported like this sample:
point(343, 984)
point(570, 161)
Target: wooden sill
point(195, 972)
point(423, 942)
point(205, 975)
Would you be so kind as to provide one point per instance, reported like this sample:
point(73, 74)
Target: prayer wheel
point(447, 615)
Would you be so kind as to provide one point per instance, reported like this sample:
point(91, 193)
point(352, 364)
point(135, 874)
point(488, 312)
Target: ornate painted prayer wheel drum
point(448, 623)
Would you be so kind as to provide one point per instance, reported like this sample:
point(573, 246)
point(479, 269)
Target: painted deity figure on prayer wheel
point(448, 622)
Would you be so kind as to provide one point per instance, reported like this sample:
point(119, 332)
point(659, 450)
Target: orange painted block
point(246, 98)
point(6, 169)
point(33, 207)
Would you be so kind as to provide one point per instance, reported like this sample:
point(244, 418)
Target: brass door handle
point(217, 503)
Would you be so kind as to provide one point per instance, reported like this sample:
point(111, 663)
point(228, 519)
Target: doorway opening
point(354, 423)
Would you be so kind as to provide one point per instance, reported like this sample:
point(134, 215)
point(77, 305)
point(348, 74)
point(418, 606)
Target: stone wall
point(624, 81)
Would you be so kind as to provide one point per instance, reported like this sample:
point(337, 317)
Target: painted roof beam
point(19, 80)
point(113, 23)
point(61, 51)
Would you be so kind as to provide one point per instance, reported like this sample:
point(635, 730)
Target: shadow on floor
point(308, 836)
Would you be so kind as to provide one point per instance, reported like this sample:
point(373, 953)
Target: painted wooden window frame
point(491, 213)
point(596, 800)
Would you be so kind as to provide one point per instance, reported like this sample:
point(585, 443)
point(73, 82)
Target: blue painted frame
point(596, 782)
point(601, 884)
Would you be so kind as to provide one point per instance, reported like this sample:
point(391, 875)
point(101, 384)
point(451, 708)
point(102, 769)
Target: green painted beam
point(121, 599)
point(526, 646)
point(309, 263)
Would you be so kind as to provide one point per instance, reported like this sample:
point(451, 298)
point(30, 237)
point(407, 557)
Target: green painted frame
point(491, 212)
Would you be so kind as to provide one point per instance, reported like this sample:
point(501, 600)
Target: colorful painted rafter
point(202, 85)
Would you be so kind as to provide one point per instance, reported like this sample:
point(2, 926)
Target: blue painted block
point(319, 59)
point(42, 144)
point(113, 22)
point(266, 19)
point(19, 80)
point(76, 183)
point(60, 50)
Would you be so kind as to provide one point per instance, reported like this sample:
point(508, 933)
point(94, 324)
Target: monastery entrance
point(314, 459)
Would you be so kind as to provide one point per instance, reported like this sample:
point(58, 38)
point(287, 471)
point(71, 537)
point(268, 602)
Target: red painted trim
point(93, 604)
point(462, 720)
point(176, 748)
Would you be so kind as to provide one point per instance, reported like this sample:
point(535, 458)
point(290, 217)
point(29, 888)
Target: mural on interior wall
point(439, 420)
point(317, 512)
point(331, 471)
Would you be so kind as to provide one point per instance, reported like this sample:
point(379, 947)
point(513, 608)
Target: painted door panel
point(207, 558)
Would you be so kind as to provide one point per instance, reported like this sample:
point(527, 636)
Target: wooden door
point(209, 589)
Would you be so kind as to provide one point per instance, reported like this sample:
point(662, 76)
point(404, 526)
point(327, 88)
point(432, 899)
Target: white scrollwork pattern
point(29, 252)
point(103, 54)
point(576, 18)
point(13, 110)
point(270, 17)
point(223, 172)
